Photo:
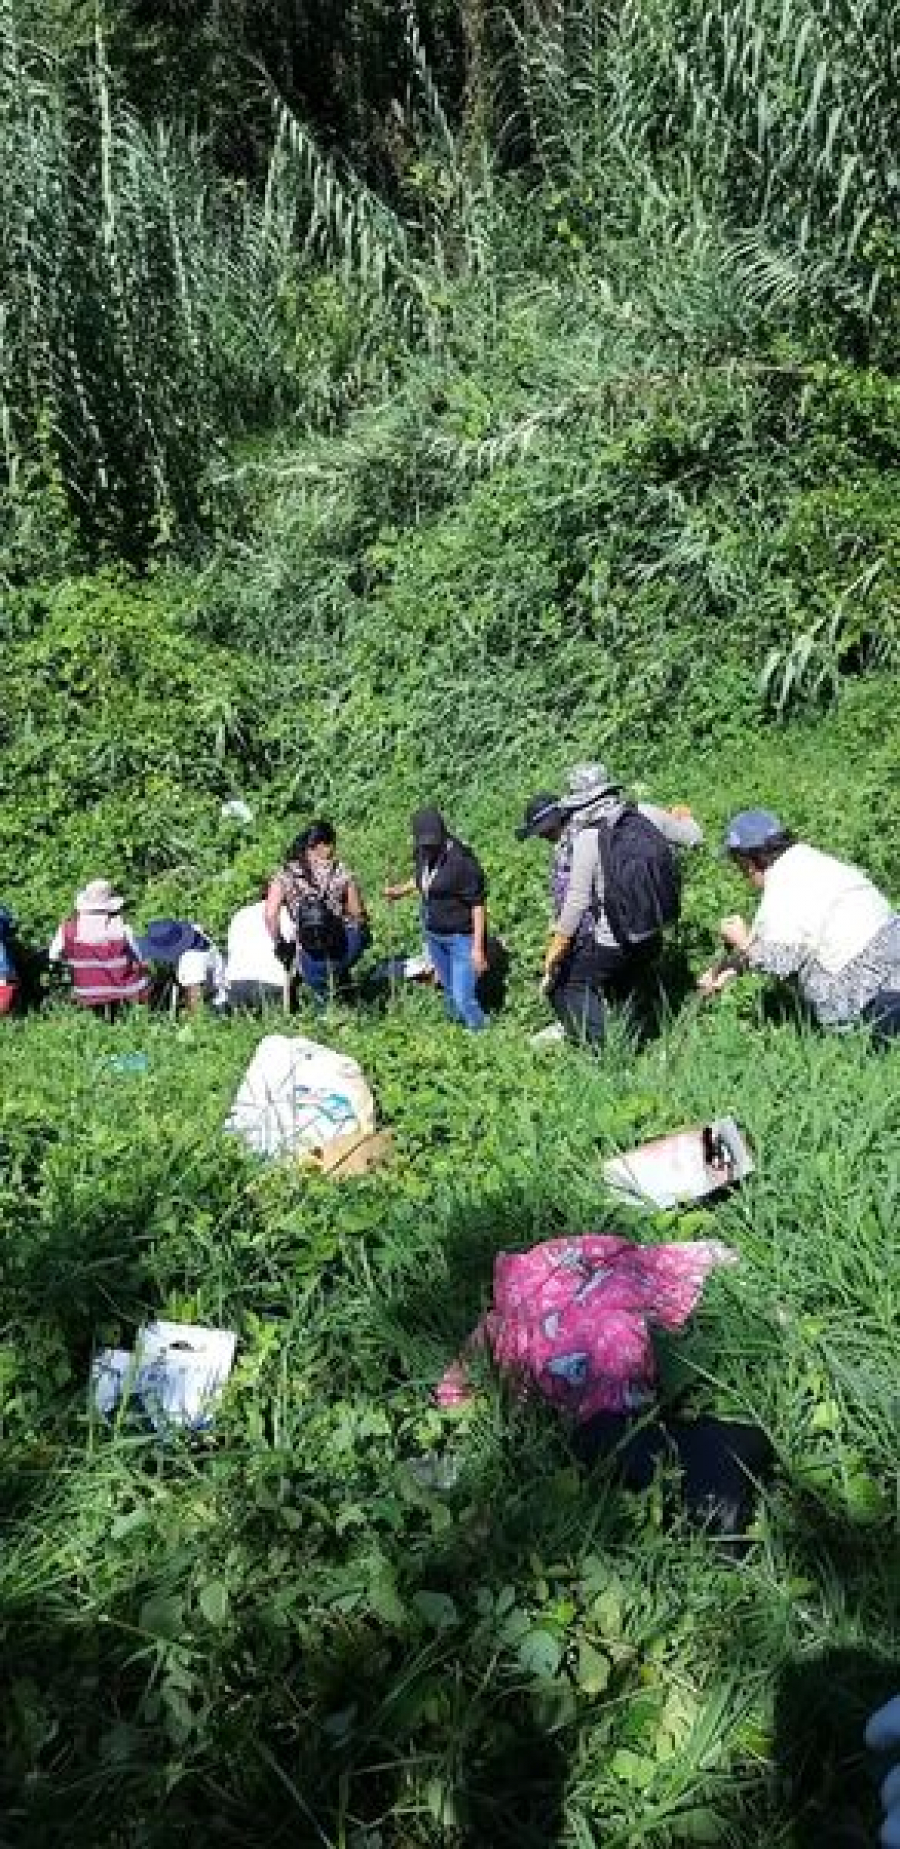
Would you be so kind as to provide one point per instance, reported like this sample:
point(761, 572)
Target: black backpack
point(320, 932)
point(641, 879)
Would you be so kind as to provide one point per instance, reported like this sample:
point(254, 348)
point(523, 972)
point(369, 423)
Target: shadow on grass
point(306, 1719)
point(823, 1775)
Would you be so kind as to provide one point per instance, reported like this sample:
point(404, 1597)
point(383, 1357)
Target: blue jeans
point(318, 972)
point(456, 973)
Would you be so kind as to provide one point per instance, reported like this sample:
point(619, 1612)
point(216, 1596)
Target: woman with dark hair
point(325, 903)
point(451, 885)
point(820, 921)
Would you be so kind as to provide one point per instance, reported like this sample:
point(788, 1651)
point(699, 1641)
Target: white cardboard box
point(176, 1374)
point(686, 1165)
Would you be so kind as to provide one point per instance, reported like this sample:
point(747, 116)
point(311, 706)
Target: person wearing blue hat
point(176, 945)
point(821, 922)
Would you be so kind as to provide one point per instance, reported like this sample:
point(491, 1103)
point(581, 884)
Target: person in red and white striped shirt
point(100, 950)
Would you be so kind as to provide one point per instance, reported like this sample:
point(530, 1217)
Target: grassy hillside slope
point(283, 1630)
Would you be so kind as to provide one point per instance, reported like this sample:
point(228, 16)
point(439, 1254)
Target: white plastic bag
point(296, 1096)
point(175, 1375)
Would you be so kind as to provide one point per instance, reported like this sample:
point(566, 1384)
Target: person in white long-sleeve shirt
point(821, 922)
point(254, 973)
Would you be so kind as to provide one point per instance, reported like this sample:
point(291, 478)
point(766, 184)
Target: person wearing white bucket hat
point(100, 951)
point(615, 887)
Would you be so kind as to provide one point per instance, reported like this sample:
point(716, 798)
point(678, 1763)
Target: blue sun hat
point(751, 830)
point(167, 939)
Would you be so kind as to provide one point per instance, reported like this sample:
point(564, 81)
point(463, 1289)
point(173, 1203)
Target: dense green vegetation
point(399, 404)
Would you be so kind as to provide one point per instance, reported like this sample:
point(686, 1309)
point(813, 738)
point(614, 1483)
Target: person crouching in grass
point(325, 904)
point(821, 923)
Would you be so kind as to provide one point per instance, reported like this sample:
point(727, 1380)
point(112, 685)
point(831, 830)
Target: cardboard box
point(686, 1165)
point(353, 1154)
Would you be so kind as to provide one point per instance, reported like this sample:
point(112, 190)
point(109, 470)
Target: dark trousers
point(882, 1014)
point(720, 1463)
point(253, 997)
point(587, 977)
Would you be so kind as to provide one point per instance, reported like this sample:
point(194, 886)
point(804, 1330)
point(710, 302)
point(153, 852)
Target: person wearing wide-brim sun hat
point(195, 961)
point(821, 922)
point(585, 956)
point(100, 951)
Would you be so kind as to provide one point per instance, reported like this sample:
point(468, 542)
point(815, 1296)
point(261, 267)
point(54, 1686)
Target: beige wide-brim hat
point(587, 783)
point(98, 896)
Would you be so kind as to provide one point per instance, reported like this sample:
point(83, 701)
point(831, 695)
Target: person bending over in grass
point(256, 974)
point(612, 892)
point(451, 884)
point(821, 922)
point(325, 903)
point(189, 963)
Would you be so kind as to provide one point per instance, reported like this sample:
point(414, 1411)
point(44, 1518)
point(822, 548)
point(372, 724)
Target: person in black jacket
point(451, 884)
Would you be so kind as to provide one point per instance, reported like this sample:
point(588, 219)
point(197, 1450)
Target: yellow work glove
point(556, 949)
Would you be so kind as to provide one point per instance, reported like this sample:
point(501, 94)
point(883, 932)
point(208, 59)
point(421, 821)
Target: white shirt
point(251, 953)
point(200, 969)
point(826, 908)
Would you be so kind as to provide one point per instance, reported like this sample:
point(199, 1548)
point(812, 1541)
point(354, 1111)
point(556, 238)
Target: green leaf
point(162, 1615)
point(436, 1610)
point(383, 1595)
point(633, 1769)
point(608, 1612)
point(215, 1602)
point(699, 1826)
point(540, 1654)
point(593, 1669)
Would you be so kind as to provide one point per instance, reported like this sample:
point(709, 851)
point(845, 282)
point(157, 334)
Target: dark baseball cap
point(750, 830)
point(429, 828)
point(543, 816)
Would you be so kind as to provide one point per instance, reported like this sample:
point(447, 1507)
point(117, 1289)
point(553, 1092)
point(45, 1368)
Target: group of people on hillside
point(821, 921)
point(614, 890)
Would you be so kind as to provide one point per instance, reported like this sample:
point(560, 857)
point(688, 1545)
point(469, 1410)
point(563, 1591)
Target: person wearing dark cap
point(586, 955)
point(453, 891)
point(821, 921)
point(543, 818)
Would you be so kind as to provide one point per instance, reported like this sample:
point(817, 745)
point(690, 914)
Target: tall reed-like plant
point(781, 116)
point(143, 297)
